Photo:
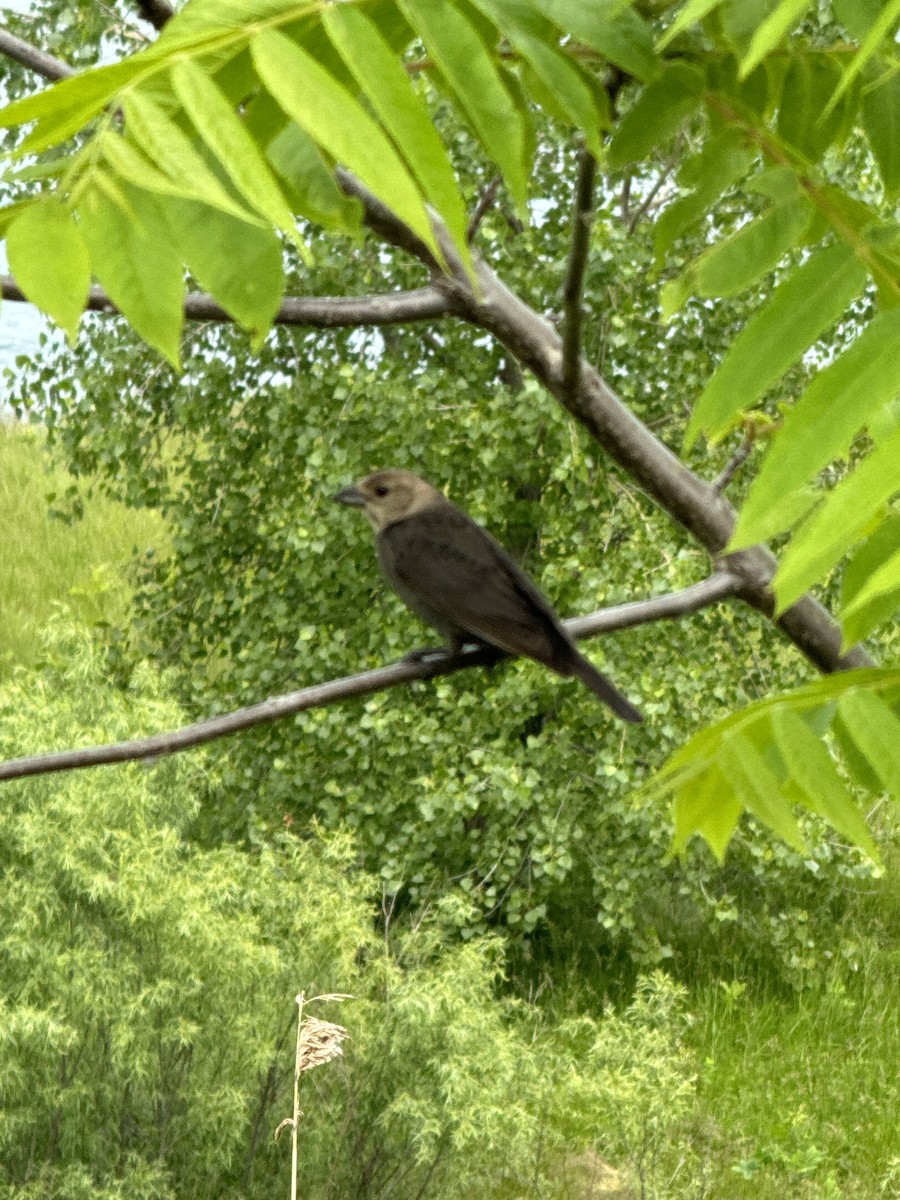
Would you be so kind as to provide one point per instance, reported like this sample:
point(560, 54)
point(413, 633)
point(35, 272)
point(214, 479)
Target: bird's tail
point(599, 684)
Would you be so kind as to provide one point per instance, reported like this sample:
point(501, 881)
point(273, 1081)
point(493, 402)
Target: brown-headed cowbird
point(462, 582)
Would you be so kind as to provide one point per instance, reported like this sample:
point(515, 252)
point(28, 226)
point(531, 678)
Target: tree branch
point(492, 306)
point(719, 586)
point(157, 12)
point(485, 200)
point(573, 287)
point(36, 60)
point(318, 312)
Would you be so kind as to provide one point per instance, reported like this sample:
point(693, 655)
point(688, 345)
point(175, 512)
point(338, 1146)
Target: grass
point(48, 561)
point(800, 1096)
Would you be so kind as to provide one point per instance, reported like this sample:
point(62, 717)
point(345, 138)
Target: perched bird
point(462, 582)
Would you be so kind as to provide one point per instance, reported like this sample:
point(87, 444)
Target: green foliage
point(771, 755)
point(148, 986)
point(51, 558)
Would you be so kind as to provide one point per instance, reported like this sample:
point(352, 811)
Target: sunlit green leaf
point(769, 32)
point(838, 523)
point(803, 307)
point(237, 152)
point(883, 544)
point(813, 770)
point(50, 261)
point(387, 87)
point(822, 424)
point(690, 13)
point(330, 115)
point(876, 731)
point(757, 788)
point(618, 34)
point(134, 259)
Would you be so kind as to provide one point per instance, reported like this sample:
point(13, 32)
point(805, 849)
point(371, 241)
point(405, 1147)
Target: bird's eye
point(382, 490)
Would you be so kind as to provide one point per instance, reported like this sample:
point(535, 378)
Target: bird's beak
point(350, 495)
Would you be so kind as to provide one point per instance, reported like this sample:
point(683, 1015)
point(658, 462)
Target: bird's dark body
point(461, 581)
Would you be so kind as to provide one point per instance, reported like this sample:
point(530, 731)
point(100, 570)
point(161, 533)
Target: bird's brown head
point(389, 496)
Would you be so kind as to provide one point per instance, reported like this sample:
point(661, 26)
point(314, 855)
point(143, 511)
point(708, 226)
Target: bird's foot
point(427, 653)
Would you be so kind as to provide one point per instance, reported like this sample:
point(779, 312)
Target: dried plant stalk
point(318, 1042)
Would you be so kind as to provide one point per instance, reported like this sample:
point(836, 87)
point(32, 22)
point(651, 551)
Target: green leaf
point(804, 306)
point(884, 582)
point(620, 36)
point(657, 114)
point(50, 261)
point(875, 731)
point(857, 16)
point(741, 19)
point(690, 13)
point(802, 118)
point(331, 116)
point(706, 805)
point(67, 106)
point(732, 265)
point(723, 160)
point(12, 212)
point(881, 122)
point(387, 87)
point(769, 33)
point(813, 770)
point(838, 523)
point(879, 32)
point(758, 788)
point(311, 184)
point(534, 38)
point(239, 264)
point(170, 150)
point(469, 69)
point(133, 257)
point(822, 425)
point(883, 544)
point(225, 135)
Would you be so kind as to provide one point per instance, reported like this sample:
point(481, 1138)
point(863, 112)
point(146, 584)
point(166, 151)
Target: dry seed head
point(319, 1042)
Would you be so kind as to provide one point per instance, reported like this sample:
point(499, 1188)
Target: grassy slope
point(46, 561)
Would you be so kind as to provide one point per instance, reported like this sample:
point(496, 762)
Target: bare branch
point(719, 586)
point(318, 312)
point(36, 60)
point(573, 287)
point(734, 464)
point(157, 12)
point(485, 200)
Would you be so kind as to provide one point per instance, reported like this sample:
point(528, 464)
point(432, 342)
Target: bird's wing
point(456, 569)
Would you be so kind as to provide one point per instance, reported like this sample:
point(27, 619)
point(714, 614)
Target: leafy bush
point(148, 984)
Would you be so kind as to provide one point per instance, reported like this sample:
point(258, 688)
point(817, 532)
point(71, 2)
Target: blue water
point(20, 325)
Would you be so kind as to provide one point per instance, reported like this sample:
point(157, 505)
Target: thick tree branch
point(718, 587)
point(573, 286)
point(157, 12)
point(318, 312)
point(29, 56)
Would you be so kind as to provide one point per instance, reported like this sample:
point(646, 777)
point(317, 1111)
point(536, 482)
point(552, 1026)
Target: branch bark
point(716, 588)
point(573, 286)
point(317, 312)
point(29, 56)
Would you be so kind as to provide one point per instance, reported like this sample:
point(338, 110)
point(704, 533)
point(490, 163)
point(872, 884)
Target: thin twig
point(734, 464)
point(485, 200)
point(717, 587)
point(320, 312)
point(574, 282)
